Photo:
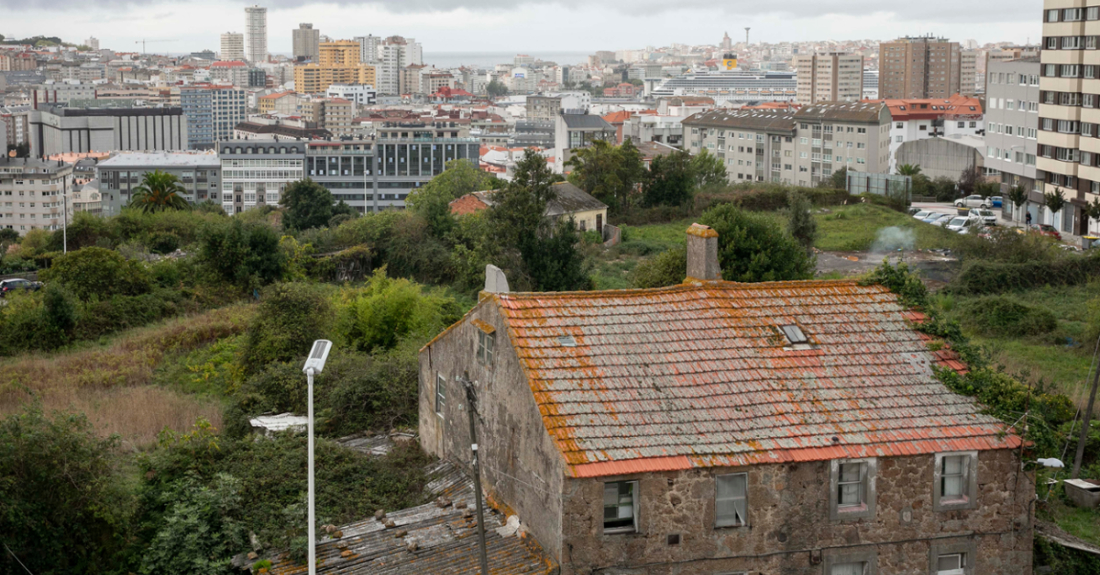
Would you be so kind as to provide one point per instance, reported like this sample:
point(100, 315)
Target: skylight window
point(567, 341)
point(794, 334)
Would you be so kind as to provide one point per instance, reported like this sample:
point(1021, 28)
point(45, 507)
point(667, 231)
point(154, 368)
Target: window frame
point(440, 394)
point(635, 528)
point(486, 346)
point(718, 522)
point(866, 508)
point(836, 557)
point(970, 482)
point(964, 547)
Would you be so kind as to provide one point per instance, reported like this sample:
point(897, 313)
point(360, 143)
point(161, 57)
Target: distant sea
point(491, 59)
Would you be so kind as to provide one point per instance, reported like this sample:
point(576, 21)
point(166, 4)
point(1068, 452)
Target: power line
point(17, 559)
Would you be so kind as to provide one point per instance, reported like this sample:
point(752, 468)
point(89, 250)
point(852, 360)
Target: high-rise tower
point(255, 30)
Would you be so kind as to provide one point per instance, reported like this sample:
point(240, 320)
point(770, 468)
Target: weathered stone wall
point(521, 468)
point(789, 530)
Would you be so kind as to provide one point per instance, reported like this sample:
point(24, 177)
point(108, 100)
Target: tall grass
point(110, 382)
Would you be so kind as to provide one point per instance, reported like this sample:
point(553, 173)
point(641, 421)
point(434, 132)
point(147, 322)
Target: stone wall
point(789, 530)
point(521, 468)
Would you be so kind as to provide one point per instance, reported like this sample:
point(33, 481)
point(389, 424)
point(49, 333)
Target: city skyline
point(525, 28)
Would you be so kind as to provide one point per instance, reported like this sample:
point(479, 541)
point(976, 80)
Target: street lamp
point(314, 364)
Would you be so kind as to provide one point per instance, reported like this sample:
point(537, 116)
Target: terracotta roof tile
point(699, 376)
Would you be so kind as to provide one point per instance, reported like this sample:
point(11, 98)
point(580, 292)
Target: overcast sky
point(524, 25)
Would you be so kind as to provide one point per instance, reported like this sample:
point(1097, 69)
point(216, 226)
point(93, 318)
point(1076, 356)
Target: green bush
point(753, 248)
point(370, 393)
point(386, 311)
point(1004, 317)
point(119, 313)
point(163, 243)
point(666, 269)
point(986, 277)
point(246, 255)
point(278, 387)
point(59, 317)
point(201, 530)
point(98, 273)
point(290, 318)
point(768, 197)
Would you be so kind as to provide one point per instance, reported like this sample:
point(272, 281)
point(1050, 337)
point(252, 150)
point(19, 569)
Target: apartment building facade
point(255, 173)
point(802, 148)
point(198, 174)
point(255, 28)
point(332, 114)
point(212, 113)
point(919, 67)
point(394, 54)
point(921, 119)
point(1012, 125)
point(232, 47)
point(1069, 89)
point(32, 193)
point(829, 77)
point(59, 130)
point(306, 43)
point(338, 64)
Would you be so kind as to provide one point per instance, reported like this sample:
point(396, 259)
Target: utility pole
point(471, 402)
point(1085, 426)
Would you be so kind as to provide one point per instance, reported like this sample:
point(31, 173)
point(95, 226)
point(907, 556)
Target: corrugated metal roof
point(696, 376)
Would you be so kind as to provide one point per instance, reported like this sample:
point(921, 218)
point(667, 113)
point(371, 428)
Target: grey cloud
point(929, 11)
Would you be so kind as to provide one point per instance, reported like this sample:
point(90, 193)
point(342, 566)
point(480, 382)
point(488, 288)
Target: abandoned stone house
point(723, 428)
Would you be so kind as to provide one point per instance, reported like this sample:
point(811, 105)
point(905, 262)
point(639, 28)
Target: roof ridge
point(719, 284)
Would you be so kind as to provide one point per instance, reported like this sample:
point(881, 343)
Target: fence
point(890, 185)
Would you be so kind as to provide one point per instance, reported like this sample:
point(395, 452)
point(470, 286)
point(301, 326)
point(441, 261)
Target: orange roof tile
point(699, 375)
point(617, 117)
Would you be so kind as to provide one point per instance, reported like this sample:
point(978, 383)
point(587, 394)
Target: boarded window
point(620, 507)
point(731, 500)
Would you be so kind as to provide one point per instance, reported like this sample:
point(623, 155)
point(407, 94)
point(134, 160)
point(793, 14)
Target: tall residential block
point(338, 63)
point(969, 81)
point(1012, 125)
point(232, 47)
point(829, 77)
point(394, 54)
point(920, 67)
point(1069, 90)
point(212, 113)
point(368, 48)
point(256, 33)
point(307, 42)
point(32, 190)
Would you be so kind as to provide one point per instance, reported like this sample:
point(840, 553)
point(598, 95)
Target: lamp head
point(317, 356)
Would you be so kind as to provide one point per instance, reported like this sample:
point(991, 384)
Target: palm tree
point(908, 169)
point(159, 191)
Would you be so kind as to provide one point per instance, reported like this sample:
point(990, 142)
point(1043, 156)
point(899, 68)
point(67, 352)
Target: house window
point(440, 393)
point(852, 489)
point(620, 507)
point(794, 334)
point(730, 502)
point(951, 564)
point(956, 481)
point(485, 342)
point(855, 568)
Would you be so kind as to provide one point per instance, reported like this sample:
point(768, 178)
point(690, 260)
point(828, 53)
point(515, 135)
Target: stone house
point(569, 201)
point(724, 428)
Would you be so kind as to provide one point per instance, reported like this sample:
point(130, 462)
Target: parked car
point(996, 201)
point(974, 201)
point(923, 214)
point(988, 217)
point(943, 220)
point(1046, 230)
point(961, 224)
point(8, 286)
point(914, 210)
point(933, 216)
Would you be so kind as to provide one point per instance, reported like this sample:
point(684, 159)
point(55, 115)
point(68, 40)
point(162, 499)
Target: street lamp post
point(314, 364)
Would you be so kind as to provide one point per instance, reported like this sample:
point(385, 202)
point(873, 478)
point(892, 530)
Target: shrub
point(375, 393)
point(278, 387)
point(163, 243)
point(245, 255)
point(59, 317)
point(667, 268)
point(1004, 317)
point(98, 273)
point(290, 318)
point(753, 248)
point(386, 311)
point(985, 277)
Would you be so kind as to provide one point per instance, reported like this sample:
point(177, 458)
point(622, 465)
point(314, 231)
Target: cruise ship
point(741, 86)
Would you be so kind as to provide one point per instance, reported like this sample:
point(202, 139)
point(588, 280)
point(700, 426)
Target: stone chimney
point(495, 280)
point(702, 253)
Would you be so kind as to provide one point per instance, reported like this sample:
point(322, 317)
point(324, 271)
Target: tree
point(708, 170)
point(753, 248)
point(1018, 196)
point(1093, 210)
point(291, 317)
point(666, 269)
point(307, 204)
point(245, 255)
point(8, 235)
point(61, 502)
point(839, 179)
point(496, 88)
point(670, 181)
point(433, 201)
point(1055, 201)
point(800, 222)
point(98, 273)
point(969, 179)
point(159, 191)
point(547, 250)
point(908, 169)
point(610, 173)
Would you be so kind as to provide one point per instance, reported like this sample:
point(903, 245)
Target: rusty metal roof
point(699, 376)
point(436, 540)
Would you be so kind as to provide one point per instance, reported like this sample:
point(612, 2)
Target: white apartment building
point(829, 77)
point(1069, 96)
point(256, 34)
point(368, 48)
point(394, 54)
point(255, 173)
point(232, 47)
point(1012, 120)
point(913, 120)
point(32, 193)
point(359, 94)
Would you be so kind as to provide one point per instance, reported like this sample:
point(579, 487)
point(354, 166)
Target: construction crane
point(144, 41)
